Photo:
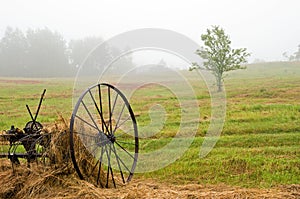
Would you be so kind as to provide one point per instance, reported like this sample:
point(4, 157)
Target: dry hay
point(58, 184)
point(35, 183)
point(59, 153)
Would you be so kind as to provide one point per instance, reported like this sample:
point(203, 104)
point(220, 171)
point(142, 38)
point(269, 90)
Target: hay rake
point(103, 140)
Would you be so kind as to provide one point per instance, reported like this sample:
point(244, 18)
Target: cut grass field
point(259, 145)
point(15, 93)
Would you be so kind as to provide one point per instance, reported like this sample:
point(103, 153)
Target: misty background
point(51, 38)
point(45, 53)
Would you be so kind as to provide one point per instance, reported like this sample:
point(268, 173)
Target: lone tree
point(218, 55)
point(296, 56)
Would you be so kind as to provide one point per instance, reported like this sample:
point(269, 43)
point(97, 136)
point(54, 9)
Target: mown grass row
point(16, 93)
point(256, 160)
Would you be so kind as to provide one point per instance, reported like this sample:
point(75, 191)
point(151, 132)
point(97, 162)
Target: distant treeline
point(45, 53)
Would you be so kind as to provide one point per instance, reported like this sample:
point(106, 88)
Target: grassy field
point(16, 93)
point(259, 145)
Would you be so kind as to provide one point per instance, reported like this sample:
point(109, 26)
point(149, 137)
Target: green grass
point(260, 141)
point(256, 160)
point(16, 93)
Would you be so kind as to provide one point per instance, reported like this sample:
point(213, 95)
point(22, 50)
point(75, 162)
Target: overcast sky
point(267, 28)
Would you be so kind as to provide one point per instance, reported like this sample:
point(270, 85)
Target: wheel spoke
point(123, 122)
point(88, 146)
point(86, 122)
point(93, 169)
point(109, 110)
point(118, 162)
point(108, 166)
point(115, 101)
point(125, 150)
point(86, 135)
point(124, 134)
point(100, 113)
point(101, 110)
point(93, 152)
point(112, 173)
point(99, 170)
point(119, 119)
point(123, 164)
point(90, 115)
point(125, 142)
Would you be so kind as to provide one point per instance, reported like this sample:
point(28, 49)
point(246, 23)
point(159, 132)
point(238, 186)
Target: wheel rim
point(104, 136)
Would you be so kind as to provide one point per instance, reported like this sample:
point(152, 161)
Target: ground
point(63, 183)
point(257, 156)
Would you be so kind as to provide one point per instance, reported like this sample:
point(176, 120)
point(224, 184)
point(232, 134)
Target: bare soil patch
point(20, 81)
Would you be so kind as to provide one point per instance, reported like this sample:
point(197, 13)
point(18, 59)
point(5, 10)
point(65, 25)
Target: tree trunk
point(219, 83)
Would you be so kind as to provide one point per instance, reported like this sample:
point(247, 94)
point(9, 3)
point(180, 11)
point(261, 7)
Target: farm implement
point(102, 138)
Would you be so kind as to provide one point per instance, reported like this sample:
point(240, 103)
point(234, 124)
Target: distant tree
point(218, 55)
point(94, 58)
point(46, 55)
point(296, 55)
point(13, 52)
point(80, 49)
point(86, 51)
point(286, 56)
point(124, 62)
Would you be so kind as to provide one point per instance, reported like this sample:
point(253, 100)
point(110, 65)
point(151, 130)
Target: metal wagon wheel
point(104, 136)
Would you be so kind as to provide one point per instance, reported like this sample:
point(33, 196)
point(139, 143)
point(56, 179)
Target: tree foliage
point(218, 55)
point(81, 48)
point(94, 55)
point(13, 52)
point(38, 53)
point(46, 53)
point(296, 55)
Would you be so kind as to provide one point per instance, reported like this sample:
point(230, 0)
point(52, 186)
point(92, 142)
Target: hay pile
point(34, 183)
point(58, 185)
point(59, 154)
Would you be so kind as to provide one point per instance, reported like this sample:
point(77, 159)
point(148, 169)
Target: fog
point(266, 28)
